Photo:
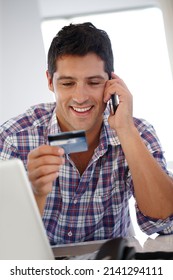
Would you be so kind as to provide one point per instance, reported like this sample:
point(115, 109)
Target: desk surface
point(158, 243)
point(151, 244)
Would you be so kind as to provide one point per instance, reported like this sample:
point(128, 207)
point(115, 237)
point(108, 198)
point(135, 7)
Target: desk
point(158, 243)
point(74, 249)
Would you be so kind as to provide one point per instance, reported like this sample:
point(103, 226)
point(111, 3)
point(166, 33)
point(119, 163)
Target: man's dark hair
point(81, 39)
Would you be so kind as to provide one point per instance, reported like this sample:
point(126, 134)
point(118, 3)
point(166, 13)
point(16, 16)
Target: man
point(84, 196)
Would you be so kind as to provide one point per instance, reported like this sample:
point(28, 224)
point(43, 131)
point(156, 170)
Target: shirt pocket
point(102, 203)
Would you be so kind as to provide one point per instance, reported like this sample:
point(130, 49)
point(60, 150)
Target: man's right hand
point(43, 167)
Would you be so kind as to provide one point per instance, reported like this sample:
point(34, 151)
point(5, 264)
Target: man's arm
point(153, 187)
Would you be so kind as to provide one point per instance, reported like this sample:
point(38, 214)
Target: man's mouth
point(81, 110)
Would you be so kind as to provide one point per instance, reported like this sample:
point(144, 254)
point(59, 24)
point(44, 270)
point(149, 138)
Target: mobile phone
point(114, 100)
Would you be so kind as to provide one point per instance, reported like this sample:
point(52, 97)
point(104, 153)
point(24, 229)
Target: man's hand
point(43, 168)
point(123, 118)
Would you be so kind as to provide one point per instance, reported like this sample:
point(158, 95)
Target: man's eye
point(94, 83)
point(68, 84)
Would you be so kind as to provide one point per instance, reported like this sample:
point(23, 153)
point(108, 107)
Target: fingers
point(114, 76)
point(43, 185)
point(46, 150)
point(115, 86)
point(44, 155)
point(44, 169)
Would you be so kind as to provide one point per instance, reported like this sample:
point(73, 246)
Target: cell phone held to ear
point(114, 101)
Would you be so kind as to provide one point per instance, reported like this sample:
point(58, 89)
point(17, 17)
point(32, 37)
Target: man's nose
point(80, 94)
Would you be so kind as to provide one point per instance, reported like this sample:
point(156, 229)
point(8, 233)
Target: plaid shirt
point(92, 206)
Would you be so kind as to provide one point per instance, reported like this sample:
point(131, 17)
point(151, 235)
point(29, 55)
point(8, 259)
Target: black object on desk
point(117, 249)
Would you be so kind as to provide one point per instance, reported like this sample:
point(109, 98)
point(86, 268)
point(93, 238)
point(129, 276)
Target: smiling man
point(84, 196)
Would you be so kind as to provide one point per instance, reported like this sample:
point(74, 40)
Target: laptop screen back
point(22, 234)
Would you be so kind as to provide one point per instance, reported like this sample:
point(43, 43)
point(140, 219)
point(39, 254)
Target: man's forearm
point(153, 187)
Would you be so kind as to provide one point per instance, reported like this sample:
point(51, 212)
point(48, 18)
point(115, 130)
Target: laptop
point(22, 233)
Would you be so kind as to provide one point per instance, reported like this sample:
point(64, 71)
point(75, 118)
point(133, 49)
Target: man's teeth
point(81, 109)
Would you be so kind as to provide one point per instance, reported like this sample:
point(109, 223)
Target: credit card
point(71, 141)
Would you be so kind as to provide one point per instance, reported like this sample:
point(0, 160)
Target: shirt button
point(75, 201)
point(70, 233)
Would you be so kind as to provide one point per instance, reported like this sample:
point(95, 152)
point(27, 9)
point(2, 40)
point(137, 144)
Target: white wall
point(23, 59)
point(167, 10)
point(58, 8)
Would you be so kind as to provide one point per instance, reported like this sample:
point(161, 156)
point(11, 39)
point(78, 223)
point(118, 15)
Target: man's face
point(78, 85)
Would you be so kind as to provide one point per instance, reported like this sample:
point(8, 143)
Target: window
point(141, 60)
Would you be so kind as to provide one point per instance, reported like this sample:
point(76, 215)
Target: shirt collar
point(54, 127)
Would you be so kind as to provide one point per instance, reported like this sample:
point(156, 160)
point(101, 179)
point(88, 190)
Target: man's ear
point(50, 82)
